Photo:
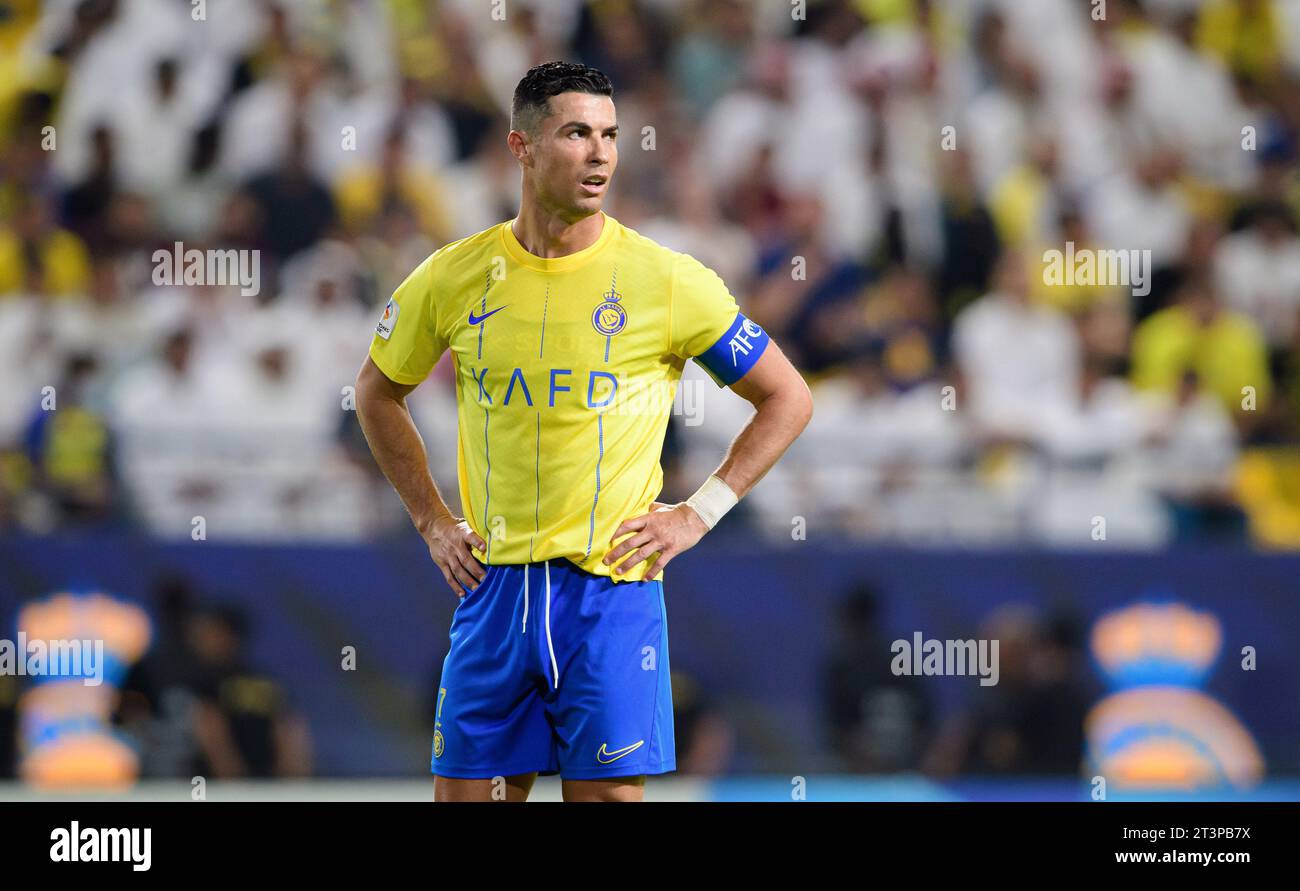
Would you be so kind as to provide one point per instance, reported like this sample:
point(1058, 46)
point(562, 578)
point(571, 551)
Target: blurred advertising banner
point(1167, 669)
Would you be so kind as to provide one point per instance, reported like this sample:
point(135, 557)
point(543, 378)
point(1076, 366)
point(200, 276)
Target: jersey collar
point(521, 256)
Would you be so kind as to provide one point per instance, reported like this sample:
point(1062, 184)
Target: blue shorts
point(555, 670)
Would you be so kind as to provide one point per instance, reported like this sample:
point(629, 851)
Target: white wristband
point(712, 500)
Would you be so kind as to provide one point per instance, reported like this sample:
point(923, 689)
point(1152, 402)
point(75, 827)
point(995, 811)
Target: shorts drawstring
point(550, 646)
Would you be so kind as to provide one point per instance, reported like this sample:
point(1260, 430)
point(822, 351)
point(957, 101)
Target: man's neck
point(545, 235)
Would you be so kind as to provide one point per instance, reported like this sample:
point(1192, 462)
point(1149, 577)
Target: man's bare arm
point(783, 408)
point(399, 451)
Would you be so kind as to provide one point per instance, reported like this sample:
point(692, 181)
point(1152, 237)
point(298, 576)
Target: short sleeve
point(408, 342)
point(708, 326)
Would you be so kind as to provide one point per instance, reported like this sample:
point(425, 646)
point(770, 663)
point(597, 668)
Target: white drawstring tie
point(550, 646)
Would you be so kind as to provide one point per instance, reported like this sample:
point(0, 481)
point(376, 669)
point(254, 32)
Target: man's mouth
point(596, 181)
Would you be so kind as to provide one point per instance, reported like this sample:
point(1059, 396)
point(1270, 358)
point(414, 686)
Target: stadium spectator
point(970, 238)
point(878, 722)
point(1257, 270)
point(245, 725)
point(85, 206)
point(39, 257)
point(370, 191)
point(704, 739)
point(1224, 349)
point(70, 447)
point(159, 696)
point(294, 207)
point(1017, 359)
point(1031, 721)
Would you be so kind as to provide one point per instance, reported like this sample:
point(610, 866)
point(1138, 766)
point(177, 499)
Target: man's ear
point(520, 147)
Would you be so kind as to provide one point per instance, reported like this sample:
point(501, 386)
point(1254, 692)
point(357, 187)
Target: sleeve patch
point(736, 351)
point(388, 320)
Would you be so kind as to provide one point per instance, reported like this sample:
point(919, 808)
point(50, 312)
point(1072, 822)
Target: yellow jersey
point(565, 373)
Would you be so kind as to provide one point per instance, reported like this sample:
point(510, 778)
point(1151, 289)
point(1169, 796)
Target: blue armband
point(736, 351)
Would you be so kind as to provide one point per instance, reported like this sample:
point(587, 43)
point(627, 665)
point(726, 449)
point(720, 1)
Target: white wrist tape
point(712, 500)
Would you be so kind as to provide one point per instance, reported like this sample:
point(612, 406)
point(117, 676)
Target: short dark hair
point(535, 89)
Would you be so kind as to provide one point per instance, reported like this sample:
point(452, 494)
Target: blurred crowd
point(876, 180)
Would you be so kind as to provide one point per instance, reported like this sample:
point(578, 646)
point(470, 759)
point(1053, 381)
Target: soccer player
point(559, 645)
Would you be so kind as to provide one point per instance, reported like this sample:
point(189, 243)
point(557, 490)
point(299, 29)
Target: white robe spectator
point(1019, 361)
point(1259, 275)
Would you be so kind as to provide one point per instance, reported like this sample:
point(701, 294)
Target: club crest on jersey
point(609, 317)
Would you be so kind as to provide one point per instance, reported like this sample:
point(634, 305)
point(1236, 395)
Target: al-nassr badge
point(609, 317)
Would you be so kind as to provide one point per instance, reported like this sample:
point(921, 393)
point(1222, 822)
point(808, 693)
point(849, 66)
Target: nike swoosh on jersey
point(604, 756)
point(474, 320)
